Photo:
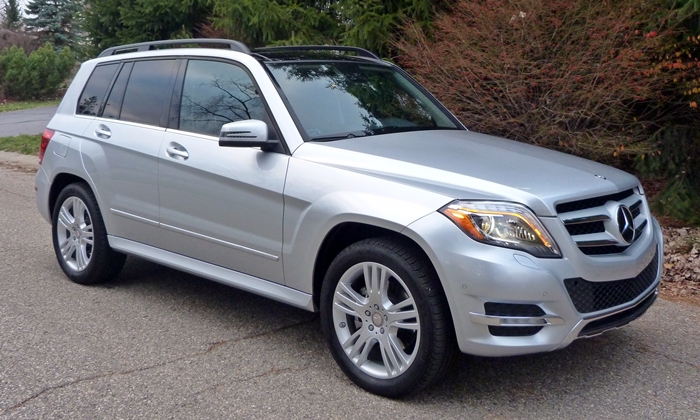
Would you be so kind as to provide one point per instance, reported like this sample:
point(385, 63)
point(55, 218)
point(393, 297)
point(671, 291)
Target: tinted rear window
point(147, 91)
point(114, 101)
point(95, 89)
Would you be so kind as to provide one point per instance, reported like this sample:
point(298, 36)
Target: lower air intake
point(592, 296)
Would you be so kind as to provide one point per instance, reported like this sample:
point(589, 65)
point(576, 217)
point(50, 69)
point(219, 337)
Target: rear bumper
point(42, 187)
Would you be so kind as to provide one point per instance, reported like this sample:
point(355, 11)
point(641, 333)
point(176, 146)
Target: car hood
point(468, 165)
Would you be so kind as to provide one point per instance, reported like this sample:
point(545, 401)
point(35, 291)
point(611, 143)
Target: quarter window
point(95, 89)
point(216, 93)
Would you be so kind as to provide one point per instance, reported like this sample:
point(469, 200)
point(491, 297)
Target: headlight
point(502, 224)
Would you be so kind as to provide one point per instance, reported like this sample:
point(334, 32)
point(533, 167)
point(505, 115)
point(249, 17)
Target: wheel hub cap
point(377, 319)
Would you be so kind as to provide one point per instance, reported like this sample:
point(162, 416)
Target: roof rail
point(146, 46)
point(361, 52)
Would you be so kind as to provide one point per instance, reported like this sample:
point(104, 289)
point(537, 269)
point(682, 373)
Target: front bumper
point(540, 314)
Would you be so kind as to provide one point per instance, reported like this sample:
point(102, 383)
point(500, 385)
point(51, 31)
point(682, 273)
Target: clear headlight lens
point(503, 224)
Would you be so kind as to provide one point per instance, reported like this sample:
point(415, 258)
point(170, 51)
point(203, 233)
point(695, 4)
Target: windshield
point(337, 100)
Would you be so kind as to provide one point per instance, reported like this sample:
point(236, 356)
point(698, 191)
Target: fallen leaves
point(681, 277)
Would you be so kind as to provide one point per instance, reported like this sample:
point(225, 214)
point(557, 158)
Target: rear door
point(218, 204)
point(122, 143)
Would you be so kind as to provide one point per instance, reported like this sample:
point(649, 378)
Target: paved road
point(27, 121)
point(156, 343)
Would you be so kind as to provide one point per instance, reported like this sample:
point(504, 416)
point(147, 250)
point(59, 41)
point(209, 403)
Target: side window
point(114, 100)
point(148, 89)
point(96, 89)
point(216, 93)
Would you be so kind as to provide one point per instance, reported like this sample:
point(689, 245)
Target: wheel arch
point(60, 182)
point(345, 234)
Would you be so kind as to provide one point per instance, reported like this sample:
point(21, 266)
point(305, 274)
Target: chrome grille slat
point(586, 219)
point(635, 206)
point(592, 222)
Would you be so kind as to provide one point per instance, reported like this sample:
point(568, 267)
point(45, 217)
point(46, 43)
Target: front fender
point(319, 197)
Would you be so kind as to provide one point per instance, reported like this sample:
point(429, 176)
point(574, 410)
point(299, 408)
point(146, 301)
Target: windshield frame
point(269, 64)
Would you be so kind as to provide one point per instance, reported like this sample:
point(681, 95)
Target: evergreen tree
point(54, 20)
point(11, 15)
point(371, 24)
point(113, 22)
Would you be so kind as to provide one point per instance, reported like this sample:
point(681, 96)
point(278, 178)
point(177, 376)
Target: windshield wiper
point(404, 129)
point(338, 137)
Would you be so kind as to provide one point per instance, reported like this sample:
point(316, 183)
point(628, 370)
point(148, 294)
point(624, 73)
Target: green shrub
point(676, 160)
point(36, 76)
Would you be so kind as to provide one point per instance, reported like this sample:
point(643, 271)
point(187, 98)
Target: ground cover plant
point(24, 143)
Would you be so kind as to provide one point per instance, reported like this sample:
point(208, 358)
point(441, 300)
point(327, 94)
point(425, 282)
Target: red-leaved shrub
point(576, 75)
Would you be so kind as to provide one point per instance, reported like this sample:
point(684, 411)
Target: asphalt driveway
point(157, 343)
point(26, 121)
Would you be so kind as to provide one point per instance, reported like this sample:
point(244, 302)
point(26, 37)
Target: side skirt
point(216, 273)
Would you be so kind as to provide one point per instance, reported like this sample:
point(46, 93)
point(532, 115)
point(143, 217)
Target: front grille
point(589, 296)
point(592, 202)
point(594, 223)
point(585, 228)
point(512, 309)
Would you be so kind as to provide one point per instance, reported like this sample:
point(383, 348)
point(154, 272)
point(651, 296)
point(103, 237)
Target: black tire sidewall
point(371, 251)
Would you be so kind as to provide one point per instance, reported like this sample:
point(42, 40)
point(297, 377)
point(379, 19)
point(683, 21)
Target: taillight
point(45, 139)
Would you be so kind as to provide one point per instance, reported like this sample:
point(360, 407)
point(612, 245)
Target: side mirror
point(245, 133)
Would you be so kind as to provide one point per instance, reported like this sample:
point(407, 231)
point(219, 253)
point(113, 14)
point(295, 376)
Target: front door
point(221, 205)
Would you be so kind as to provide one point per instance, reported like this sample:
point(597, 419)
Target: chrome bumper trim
point(515, 321)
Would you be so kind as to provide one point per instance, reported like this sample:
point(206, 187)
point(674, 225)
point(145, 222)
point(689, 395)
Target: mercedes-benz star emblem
point(625, 222)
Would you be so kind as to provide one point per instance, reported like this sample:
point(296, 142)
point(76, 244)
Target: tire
point(80, 238)
point(391, 337)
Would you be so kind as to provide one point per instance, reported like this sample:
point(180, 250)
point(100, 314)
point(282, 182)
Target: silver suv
point(328, 179)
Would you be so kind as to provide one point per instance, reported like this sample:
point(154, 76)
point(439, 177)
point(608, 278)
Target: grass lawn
point(25, 143)
point(17, 105)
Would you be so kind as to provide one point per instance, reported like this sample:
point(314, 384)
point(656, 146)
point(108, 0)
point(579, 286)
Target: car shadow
point(596, 362)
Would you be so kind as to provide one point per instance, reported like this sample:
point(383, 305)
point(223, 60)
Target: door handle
point(177, 152)
point(103, 132)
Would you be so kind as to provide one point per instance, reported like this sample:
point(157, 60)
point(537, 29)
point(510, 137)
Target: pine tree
point(113, 22)
point(11, 15)
point(54, 20)
point(371, 24)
